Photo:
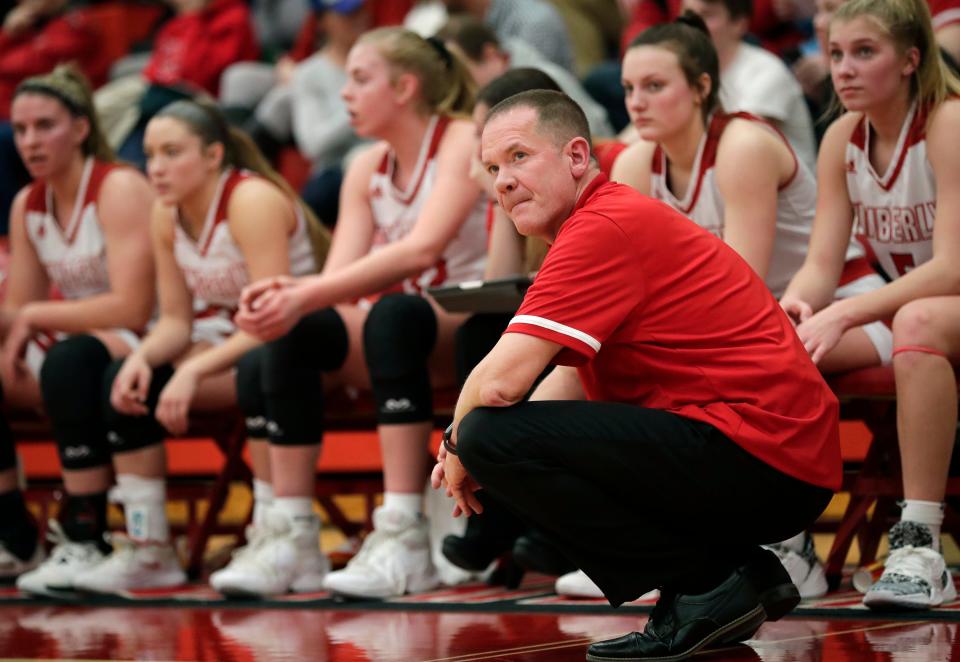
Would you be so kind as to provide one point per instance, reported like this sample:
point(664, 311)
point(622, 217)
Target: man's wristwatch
point(446, 440)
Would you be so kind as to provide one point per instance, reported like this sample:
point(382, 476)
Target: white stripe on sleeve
point(533, 320)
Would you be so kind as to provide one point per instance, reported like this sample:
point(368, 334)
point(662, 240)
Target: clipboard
point(501, 295)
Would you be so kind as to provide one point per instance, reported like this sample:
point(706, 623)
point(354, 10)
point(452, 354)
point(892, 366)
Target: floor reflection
point(248, 634)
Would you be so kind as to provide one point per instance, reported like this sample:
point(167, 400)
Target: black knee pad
point(8, 454)
point(250, 393)
point(130, 433)
point(292, 381)
point(475, 338)
point(70, 383)
point(398, 337)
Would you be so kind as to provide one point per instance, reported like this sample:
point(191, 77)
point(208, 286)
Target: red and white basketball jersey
point(395, 212)
point(213, 265)
point(74, 254)
point(703, 203)
point(944, 12)
point(894, 212)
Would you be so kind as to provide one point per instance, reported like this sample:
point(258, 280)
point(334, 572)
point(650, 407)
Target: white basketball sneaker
point(804, 568)
point(133, 565)
point(12, 566)
point(394, 559)
point(281, 556)
point(915, 576)
point(67, 560)
point(576, 584)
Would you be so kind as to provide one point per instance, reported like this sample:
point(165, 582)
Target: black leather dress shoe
point(534, 552)
point(777, 592)
point(488, 536)
point(680, 625)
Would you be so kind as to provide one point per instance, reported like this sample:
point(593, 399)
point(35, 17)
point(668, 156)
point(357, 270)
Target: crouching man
point(683, 407)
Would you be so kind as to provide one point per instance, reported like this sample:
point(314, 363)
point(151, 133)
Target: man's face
point(475, 7)
point(492, 63)
point(724, 30)
point(533, 176)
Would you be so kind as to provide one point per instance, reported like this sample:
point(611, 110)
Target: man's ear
point(742, 26)
point(578, 151)
point(490, 52)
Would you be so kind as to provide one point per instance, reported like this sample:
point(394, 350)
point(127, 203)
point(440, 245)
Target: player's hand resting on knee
point(131, 385)
point(821, 332)
point(14, 348)
point(270, 307)
point(798, 311)
point(173, 406)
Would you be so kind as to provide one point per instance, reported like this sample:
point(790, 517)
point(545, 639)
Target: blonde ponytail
point(446, 86)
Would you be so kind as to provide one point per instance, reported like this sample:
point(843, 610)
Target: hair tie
point(442, 50)
point(59, 88)
point(693, 20)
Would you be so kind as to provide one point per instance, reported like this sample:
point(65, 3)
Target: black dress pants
point(636, 498)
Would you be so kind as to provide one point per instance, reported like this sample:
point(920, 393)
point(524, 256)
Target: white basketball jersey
point(703, 203)
point(213, 265)
point(395, 212)
point(74, 255)
point(893, 213)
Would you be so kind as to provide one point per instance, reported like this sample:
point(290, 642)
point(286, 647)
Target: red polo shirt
point(657, 312)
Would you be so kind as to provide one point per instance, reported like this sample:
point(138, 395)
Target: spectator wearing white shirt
point(535, 22)
point(754, 80)
point(488, 57)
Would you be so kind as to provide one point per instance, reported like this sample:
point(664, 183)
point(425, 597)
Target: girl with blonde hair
point(889, 172)
point(410, 218)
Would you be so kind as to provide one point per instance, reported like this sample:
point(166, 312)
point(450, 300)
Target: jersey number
point(903, 262)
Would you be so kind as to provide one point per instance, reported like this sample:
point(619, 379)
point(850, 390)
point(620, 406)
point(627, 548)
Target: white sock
point(295, 509)
point(144, 507)
point(262, 500)
point(795, 543)
point(408, 503)
point(925, 512)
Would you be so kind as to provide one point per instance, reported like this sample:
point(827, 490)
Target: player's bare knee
point(914, 325)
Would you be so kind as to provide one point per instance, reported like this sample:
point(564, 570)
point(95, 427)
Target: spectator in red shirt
point(189, 54)
point(194, 47)
point(768, 22)
point(683, 405)
point(37, 36)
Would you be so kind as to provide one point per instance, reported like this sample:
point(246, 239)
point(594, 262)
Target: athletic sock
point(298, 511)
point(18, 532)
point(408, 503)
point(84, 519)
point(795, 543)
point(144, 507)
point(263, 499)
point(925, 512)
